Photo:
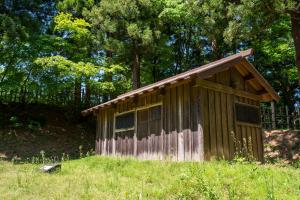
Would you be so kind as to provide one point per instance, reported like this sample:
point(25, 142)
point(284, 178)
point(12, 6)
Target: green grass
point(113, 178)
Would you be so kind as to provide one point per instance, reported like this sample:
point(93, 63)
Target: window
point(125, 121)
point(155, 113)
point(149, 121)
point(155, 120)
point(247, 114)
point(142, 123)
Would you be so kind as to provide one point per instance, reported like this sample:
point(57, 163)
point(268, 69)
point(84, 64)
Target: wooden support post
point(97, 135)
point(105, 134)
point(180, 131)
point(135, 134)
point(100, 143)
point(163, 133)
point(200, 131)
point(114, 134)
point(287, 117)
point(273, 115)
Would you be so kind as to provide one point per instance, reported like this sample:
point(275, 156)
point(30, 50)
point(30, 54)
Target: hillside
point(26, 130)
point(98, 177)
point(282, 145)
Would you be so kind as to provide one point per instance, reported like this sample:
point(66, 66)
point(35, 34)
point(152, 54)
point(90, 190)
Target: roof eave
point(265, 84)
point(184, 75)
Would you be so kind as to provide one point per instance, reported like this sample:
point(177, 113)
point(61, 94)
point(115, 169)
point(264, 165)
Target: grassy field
point(98, 177)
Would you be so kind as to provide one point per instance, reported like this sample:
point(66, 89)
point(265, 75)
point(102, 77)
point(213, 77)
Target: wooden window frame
point(258, 125)
point(134, 129)
point(148, 107)
point(124, 129)
point(135, 110)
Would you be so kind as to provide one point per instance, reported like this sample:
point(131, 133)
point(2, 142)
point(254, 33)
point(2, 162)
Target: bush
point(40, 119)
point(296, 164)
point(14, 122)
point(194, 185)
point(34, 126)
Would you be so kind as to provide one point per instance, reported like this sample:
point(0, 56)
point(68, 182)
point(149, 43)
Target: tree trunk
point(87, 92)
point(154, 73)
point(295, 20)
point(215, 49)
point(136, 83)
point(109, 76)
point(77, 92)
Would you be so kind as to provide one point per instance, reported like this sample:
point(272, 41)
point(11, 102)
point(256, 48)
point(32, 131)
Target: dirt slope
point(282, 144)
point(26, 130)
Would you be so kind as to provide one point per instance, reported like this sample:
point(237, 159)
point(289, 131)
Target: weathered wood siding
point(223, 135)
point(175, 135)
point(197, 121)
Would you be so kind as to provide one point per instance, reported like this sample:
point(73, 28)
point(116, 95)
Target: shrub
point(14, 122)
point(34, 126)
point(193, 185)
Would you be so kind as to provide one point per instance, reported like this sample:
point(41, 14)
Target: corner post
point(135, 133)
point(273, 115)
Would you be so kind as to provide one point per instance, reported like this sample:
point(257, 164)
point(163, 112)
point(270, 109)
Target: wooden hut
point(209, 111)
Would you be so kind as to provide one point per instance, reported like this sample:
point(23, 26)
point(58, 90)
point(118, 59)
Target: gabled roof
point(245, 68)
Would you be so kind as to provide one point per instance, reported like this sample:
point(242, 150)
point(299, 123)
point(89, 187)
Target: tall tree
point(133, 27)
point(21, 24)
point(76, 32)
point(274, 57)
point(253, 17)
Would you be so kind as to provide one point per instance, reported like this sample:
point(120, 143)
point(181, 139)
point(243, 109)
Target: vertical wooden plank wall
point(218, 120)
point(196, 124)
point(223, 136)
point(98, 139)
point(249, 137)
point(177, 136)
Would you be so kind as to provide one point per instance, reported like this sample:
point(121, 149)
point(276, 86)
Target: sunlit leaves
point(114, 69)
point(174, 11)
point(71, 27)
point(133, 31)
point(67, 67)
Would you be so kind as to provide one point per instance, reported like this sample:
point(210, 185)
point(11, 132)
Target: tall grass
point(97, 177)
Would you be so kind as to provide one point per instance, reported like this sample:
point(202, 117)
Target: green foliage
point(195, 185)
point(72, 28)
point(64, 67)
point(14, 123)
point(65, 46)
point(296, 163)
point(34, 125)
